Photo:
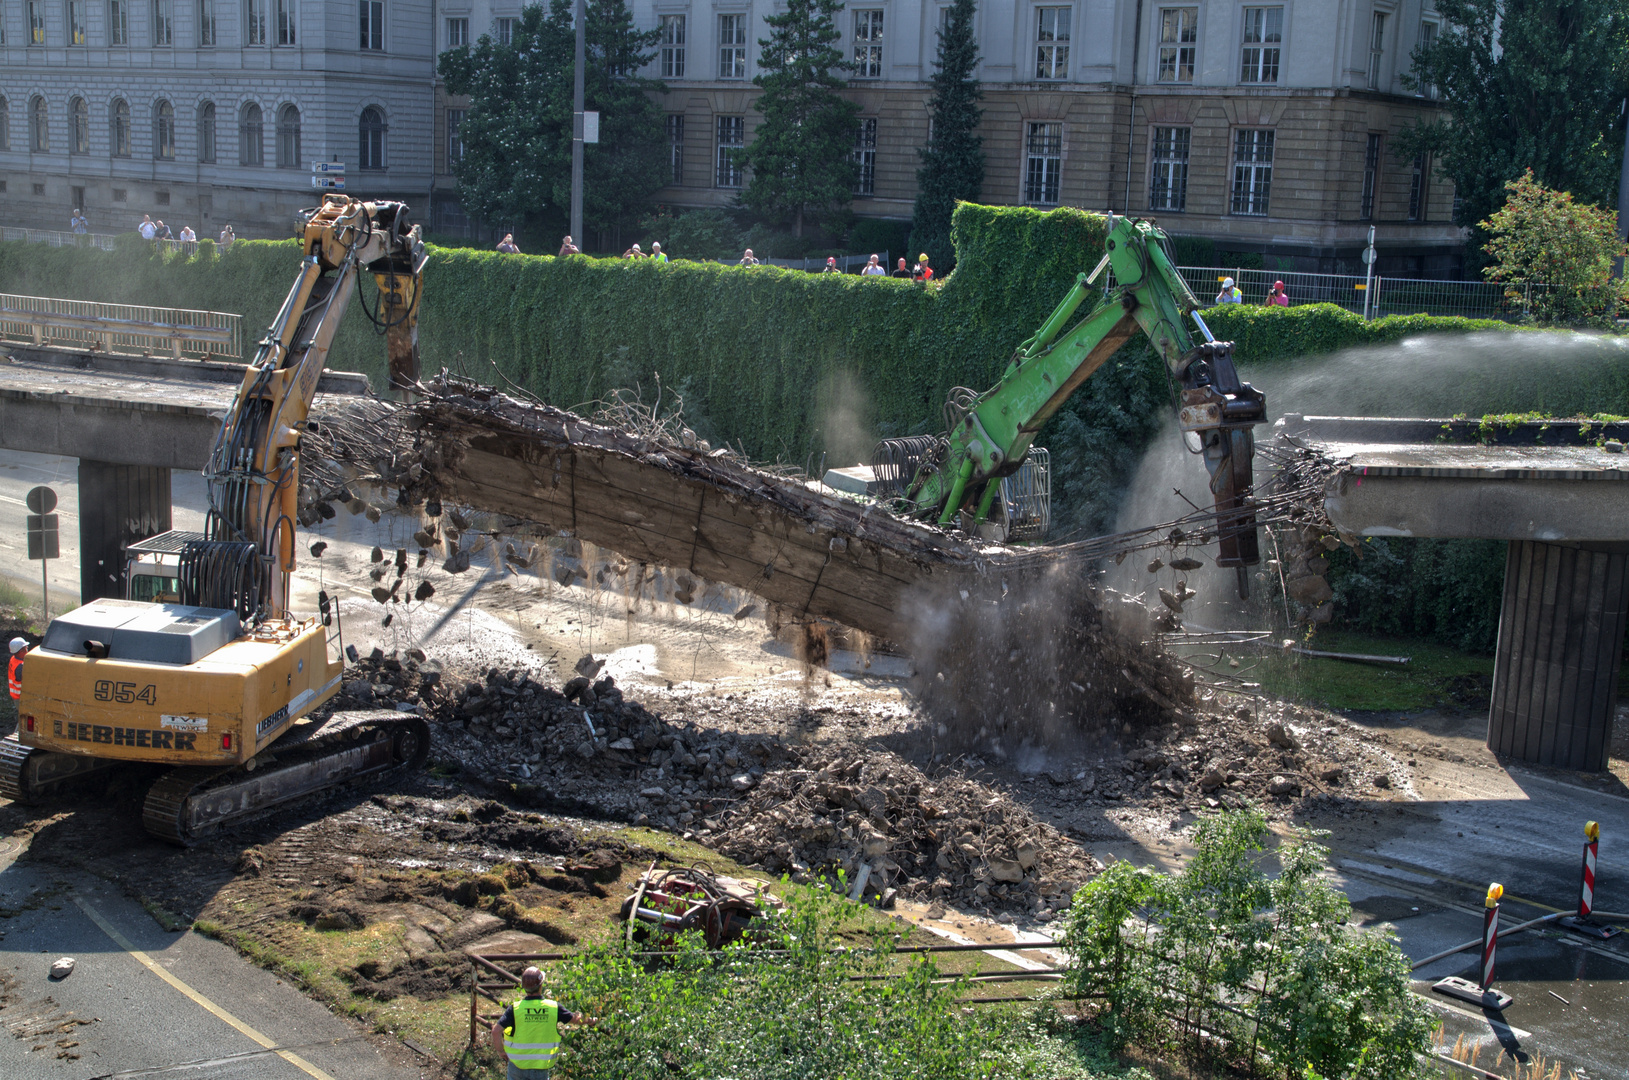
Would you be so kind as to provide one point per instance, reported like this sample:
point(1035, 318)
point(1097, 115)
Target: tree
point(1543, 237)
point(1527, 84)
point(952, 167)
point(802, 155)
point(517, 129)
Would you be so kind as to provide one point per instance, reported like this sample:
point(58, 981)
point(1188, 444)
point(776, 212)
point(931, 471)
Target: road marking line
point(198, 999)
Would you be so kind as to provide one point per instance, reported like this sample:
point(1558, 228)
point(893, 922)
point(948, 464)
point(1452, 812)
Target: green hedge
point(784, 364)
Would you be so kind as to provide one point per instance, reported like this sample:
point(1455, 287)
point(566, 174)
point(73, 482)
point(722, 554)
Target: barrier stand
point(1582, 923)
point(1482, 993)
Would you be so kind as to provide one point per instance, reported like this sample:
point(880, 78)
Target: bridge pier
point(1561, 636)
point(118, 505)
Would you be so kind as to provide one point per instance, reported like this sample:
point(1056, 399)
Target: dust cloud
point(846, 425)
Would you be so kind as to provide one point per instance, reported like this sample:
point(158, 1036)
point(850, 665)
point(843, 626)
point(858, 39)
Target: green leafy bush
point(1443, 590)
point(1266, 967)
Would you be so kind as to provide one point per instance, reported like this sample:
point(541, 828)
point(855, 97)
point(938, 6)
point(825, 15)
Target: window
point(373, 25)
point(868, 44)
point(251, 136)
point(1168, 187)
point(164, 131)
point(1252, 170)
point(255, 14)
point(865, 156)
point(455, 138)
point(118, 22)
point(1418, 179)
point(206, 23)
point(39, 189)
point(5, 123)
point(288, 137)
point(161, 198)
point(1052, 43)
point(285, 22)
point(206, 132)
point(1428, 39)
point(121, 194)
point(1044, 164)
point(732, 135)
point(1263, 38)
point(732, 49)
point(163, 23)
point(457, 33)
point(370, 151)
point(39, 125)
point(1179, 43)
point(1377, 48)
point(1371, 177)
point(76, 22)
point(36, 22)
point(672, 46)
point(675, 146)
point(78, 126)
point(506, 30)
point(119, 128)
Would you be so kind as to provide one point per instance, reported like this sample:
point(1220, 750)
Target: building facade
point(1268, 126)
point(209, 112)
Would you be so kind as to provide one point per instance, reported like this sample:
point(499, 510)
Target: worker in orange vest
point(14, 670)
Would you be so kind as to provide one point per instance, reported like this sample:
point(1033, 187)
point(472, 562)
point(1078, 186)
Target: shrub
point(1542, 237)
point(1267, 966)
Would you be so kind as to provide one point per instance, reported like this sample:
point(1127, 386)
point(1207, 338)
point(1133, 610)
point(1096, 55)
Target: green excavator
point(985, 476)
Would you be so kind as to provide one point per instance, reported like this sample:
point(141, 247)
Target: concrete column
point(1561, 635)
point(118, 505)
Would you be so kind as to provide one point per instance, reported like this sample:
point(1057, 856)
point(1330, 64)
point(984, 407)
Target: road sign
point(591, 127)
point(41, 500)
point(327, 166)
point(328, 183)
point(1368, 255)
point(42, 537)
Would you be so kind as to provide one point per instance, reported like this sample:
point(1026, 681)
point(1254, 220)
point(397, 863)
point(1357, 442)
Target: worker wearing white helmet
point(14, 670)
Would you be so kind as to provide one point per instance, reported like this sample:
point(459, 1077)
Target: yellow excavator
point(221, 684)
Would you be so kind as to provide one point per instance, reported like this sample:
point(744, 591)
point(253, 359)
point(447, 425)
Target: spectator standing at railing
point(1229, 294)
point(748, 259)
point(227, 236)
point(187, 235)
point(163, 230)
point(831, 265)
point(1277, 297)
point(902, 271)
point(507, 245)
point(874, 268)
point(78, 224)
point(923, 271)
point(656, 252)
point(568, 248)
point(148, 230)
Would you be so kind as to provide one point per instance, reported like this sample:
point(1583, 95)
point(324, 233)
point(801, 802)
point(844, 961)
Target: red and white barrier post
point(1490, 932)
point(1582, 923)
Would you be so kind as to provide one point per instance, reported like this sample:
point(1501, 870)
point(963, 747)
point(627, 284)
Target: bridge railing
point(58, 238)
point(120, 329)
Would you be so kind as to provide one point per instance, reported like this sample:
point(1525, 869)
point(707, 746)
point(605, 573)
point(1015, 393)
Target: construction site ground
point(526, 834)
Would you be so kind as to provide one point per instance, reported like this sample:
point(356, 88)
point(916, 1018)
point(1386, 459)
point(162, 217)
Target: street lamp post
point(577, 106)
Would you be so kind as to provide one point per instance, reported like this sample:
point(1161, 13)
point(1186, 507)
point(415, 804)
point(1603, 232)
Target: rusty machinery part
point(187, 803)
point(691, 899)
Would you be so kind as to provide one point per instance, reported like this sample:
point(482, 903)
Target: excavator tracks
point(27, 775)
point(13, 762)
point(188, 803)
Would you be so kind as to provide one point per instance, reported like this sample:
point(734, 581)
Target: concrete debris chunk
point(1279, 735)
point(62, 968)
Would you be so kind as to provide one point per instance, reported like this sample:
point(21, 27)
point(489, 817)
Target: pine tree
point(517, 130)
point(801, 156)
point(953, 161)
point(1526, 84)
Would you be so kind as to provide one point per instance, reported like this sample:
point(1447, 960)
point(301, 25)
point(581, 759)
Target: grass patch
point(1435, 676)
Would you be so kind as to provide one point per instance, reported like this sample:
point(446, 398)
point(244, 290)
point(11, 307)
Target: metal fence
point(848, 264)
point(1386, 295)
point(120, 329)
point(56, 238)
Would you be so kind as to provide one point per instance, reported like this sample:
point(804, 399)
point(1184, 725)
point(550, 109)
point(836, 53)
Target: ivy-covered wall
point(782, 363)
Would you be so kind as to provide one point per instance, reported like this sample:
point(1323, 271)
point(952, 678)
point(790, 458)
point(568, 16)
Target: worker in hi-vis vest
point(527, 1036)
point(14, 669)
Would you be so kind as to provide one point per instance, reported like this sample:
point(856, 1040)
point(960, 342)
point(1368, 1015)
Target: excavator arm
point(989, 434)
point(247, 556)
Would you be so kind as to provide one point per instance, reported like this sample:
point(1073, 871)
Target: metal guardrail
point(57, 238)
point(120, 329)
point(1387, 295)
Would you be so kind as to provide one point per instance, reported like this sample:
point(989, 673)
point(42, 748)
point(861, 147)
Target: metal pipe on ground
point(1476, 943)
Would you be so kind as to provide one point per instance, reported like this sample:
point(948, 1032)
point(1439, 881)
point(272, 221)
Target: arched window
point(288, 137)
point(39, 125)
point(5, 123)
point(370, 152)
point(206, 132)
point(251, 136)
point(121, 128)
point(78, 126)
point(164, 131)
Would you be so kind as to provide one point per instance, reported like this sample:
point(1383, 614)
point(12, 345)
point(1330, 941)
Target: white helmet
point(18, 644)
point(1227, 283)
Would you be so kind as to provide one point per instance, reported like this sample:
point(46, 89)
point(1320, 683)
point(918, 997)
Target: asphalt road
point(215, 1017)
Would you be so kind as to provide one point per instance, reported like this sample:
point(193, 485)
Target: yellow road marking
point(198, 999)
